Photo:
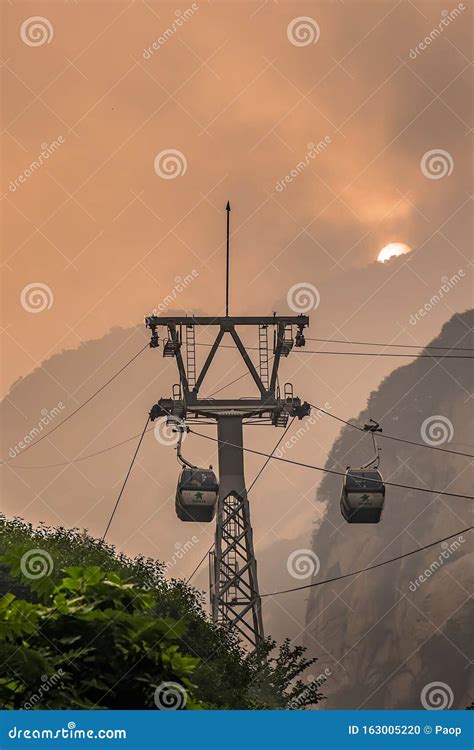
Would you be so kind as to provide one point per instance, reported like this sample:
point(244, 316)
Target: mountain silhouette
point(386, 634)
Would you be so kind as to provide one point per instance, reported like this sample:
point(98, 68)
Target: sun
point(392, 250)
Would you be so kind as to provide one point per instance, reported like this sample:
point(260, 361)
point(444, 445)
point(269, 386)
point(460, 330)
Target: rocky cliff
point(387, 634)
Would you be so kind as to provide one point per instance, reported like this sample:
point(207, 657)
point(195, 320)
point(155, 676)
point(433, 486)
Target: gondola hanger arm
point(373, 427)
point(182, 428)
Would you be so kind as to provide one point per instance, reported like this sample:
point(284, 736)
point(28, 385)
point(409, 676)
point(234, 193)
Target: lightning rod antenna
point(227, 208)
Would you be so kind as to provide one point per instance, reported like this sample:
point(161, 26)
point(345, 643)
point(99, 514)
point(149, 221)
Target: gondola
point(363, 490)
point(197, 490)
point(196, 495)
point(363, 496)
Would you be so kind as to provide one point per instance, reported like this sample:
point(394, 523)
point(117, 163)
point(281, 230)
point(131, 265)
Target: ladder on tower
point(263, 355)
point(231, 564)
point(191, 356)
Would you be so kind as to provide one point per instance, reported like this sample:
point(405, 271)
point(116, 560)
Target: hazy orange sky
point(240, 98)
point(144, 146)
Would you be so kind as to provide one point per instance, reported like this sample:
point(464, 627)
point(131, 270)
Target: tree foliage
point(95, 632)
point(102, 630)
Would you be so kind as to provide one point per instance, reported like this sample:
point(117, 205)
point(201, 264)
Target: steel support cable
point(393, 346)
point(302, 350)
point(66, 419)
point(397, 354)
point(318, 408)
point(81, 406)
point(370, 567)
point(110, 447)
point(392, 437)
point(82, 458)
point(125, 480)
point(342, 474)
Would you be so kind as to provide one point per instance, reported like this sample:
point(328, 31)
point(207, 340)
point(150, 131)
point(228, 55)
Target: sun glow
point(392, 250)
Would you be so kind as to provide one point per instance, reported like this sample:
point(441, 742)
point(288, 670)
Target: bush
point(94, 633)
point(82, 626)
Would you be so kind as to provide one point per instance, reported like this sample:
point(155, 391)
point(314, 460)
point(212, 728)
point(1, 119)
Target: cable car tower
point(234, 593)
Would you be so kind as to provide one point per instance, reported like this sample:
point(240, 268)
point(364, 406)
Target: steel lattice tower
point(234, 592)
